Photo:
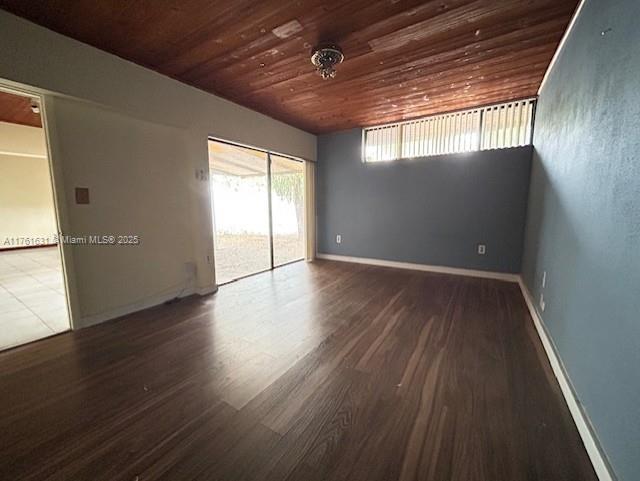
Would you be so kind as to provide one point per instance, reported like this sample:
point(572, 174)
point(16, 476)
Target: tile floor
point(32, 298)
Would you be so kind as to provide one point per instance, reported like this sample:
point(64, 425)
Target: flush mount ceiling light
point(325, 57)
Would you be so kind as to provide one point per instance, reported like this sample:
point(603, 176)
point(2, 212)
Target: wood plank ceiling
point(16, 109)
point(404, 58)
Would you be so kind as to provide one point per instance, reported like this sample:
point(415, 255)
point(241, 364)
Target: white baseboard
point(600, 465)
point(151, 301)
point(502, 276)
point(591, 445)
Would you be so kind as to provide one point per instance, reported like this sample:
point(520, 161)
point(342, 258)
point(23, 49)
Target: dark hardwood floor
point(323, 371)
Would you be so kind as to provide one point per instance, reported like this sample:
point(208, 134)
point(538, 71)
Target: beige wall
point(26, 198)
point(136, 139)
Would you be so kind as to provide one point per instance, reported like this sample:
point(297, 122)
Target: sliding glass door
point(258, 205)
point(239, 186)
point(287, 209)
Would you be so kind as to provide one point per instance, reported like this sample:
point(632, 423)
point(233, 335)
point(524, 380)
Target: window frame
point(462, 131)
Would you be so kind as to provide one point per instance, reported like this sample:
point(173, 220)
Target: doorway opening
point(33, 299)
point(258, 210)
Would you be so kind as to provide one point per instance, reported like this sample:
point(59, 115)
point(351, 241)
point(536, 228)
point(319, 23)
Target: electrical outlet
point(482, 249)
point(542, 303)
point(190, 270)
point(544, 279)
point(339, 239)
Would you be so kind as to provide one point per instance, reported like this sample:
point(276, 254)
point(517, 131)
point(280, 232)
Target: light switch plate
point(82, 195)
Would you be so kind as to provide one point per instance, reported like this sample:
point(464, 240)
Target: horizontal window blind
point(492, 127)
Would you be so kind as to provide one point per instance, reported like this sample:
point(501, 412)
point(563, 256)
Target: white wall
point(135, 139)
point(22, 140)
point(26, 197)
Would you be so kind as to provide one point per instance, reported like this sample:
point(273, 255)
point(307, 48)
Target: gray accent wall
point(432, 210)
point(583, 224)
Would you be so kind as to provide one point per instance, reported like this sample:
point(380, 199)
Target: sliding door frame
point(269, 204)
point(270, 208)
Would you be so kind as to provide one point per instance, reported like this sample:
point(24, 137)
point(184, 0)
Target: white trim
point(598, 459)
point(58, 193)
point(561, 44)
point(502, 276)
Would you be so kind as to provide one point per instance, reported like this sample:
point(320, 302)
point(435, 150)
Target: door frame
point(57, 187)
point(269, 204)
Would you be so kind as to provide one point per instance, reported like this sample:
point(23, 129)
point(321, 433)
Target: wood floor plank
point(322, 371)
